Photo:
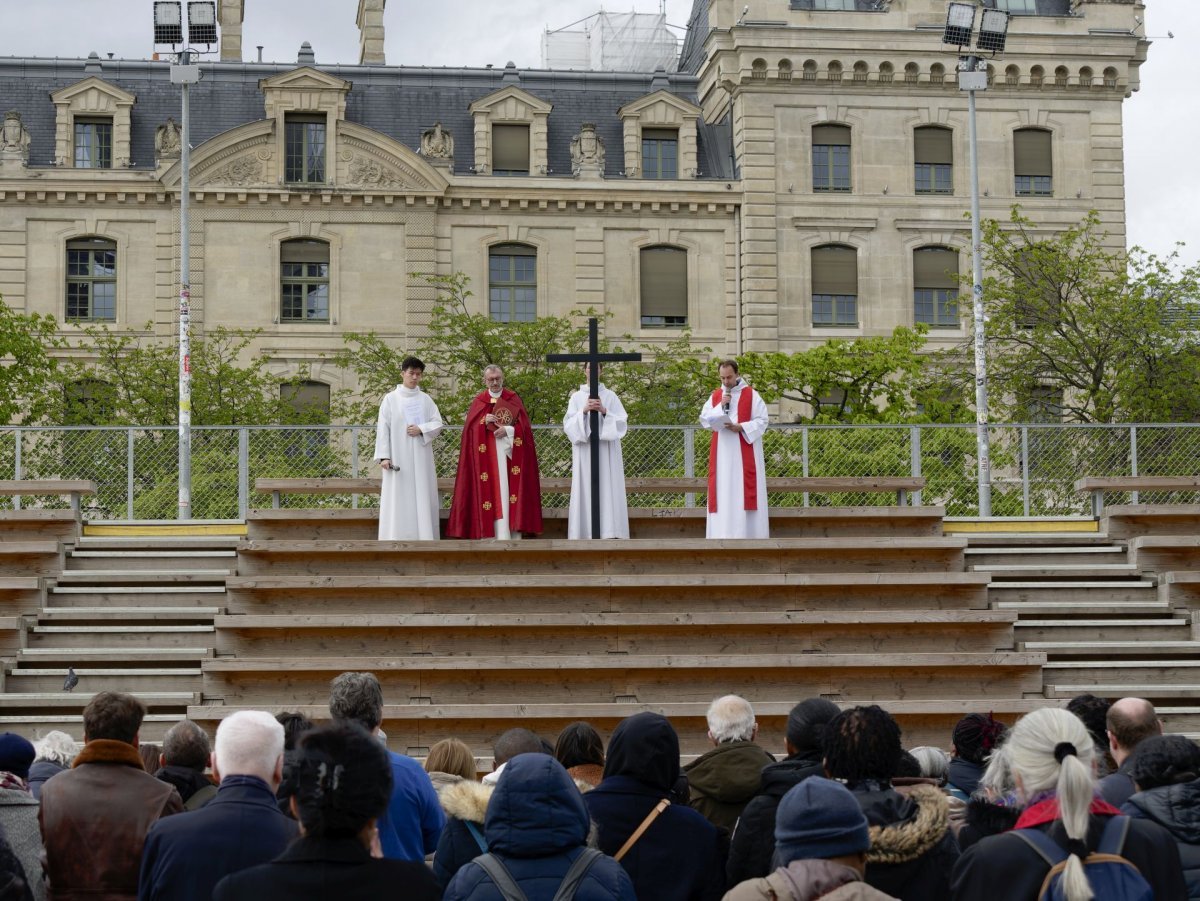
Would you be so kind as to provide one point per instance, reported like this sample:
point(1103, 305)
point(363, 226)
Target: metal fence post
point(689, 463)
point(804, 460)
point(129, 463)
point(17, 468)
point(1025, 469)
point(243, 473)
point(1133, 460)
point(915, 462)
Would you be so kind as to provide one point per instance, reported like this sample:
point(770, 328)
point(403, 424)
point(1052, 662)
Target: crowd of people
point(1087, 802)
point(497, 489)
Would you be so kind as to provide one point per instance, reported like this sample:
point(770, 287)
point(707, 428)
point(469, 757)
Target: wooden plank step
point(1125, 690)
point(76, 614)
point(1118, 648)
point(133, 589)
point(20, 583)
point(1083, 606)
point(116, 654)
point(123, 629)
point(1066, 571)
point(153, 576)
point(61, 671)
point(1025, 547)
point(67, 719)
point(141, 543)
point(21, 700)
point(1141, 584)
point(129, 554)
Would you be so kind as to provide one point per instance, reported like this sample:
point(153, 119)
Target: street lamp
point(972, 77)
point(168, 29)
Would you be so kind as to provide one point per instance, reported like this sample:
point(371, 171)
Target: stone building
point(802, 176)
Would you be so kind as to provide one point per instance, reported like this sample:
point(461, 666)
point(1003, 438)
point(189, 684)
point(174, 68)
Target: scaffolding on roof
point(613, 42)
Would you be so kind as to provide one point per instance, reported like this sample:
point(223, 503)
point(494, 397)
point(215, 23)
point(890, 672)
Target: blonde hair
point(1039, 759)
point(451, 756)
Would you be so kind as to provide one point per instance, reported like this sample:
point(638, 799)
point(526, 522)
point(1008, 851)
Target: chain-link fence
point(1034, 467)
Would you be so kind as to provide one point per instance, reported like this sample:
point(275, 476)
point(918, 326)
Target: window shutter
point(510, 148)
point(934, 145)
point(1031, 152)
point(831, 134)
point(835, 270)
point(304, 252)
point(935, 267)
point(664, 281)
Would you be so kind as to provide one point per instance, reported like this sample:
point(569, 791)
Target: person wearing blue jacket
point(536, 828)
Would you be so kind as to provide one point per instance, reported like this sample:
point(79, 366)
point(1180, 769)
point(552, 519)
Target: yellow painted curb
point(1078, 526)
point(100, 530)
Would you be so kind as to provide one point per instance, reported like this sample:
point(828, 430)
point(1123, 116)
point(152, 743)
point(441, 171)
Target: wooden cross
point(593, 358)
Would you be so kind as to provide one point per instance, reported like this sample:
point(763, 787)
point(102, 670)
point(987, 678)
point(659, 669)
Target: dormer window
point(305, 149)
point(93, 143)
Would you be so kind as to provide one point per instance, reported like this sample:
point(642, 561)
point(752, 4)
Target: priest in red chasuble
point(497, 493)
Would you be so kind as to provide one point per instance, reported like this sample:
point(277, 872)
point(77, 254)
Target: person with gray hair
point(184, 758)
point(723, 781)
point(185, 857)
point(410, 827)
point(55, 752)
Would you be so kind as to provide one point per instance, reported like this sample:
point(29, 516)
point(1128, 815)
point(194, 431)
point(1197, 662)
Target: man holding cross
point(737, 477)
point(614, 510)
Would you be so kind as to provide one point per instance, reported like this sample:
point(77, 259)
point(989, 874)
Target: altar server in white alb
point(409, 420)
point(737, 478)
point(614, 511)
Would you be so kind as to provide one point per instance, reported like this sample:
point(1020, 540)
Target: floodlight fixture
point(168, 22)
point(960, 22)
point(202, 22)
point(993, 29)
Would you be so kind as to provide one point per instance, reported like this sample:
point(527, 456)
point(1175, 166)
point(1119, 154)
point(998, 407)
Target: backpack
point(1112, 877)
point(510, 891)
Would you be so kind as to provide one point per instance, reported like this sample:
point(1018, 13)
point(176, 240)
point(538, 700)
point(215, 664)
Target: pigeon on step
point(71, 681)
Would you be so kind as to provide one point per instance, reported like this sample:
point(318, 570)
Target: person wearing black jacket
point(1166, 773)
point(753, 842)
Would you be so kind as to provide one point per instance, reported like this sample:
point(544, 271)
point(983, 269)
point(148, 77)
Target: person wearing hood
point(537, 830)
point(821, 844)
point(409, 420)
point(19, 810)
point(184, 757)
point(975, 736)
point(723, 780)
point(669, 850)
point(753, 840)
point(912, 849)
point(737, 473)
point(577, 425)
point(1166, 774)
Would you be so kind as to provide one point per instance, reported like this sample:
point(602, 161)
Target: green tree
point(28, 370)
point(1070, 317)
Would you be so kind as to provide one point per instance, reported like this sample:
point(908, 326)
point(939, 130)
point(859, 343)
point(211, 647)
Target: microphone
point(725, 401)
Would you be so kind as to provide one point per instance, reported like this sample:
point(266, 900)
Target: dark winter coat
point(723, 781)
point(1177, 809)
point(962, 777)
point(1005, 868)
point(912, 849)
point(753, 841)
point(464, 802)
point(984, 818)
point(537, 825)
point(681, 856)
point(39, 772)
point(189, 783)
point(318, 869)
point(1117, 788)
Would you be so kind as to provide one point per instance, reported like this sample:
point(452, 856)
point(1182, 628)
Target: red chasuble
point(476, 504)
point(749, 467)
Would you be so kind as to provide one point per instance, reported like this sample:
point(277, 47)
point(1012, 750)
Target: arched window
point(834, 285)
point(304, 281)
point(512, 283)
point(1032, 162)
point(935, 286)
point(664, 287)
point(91, 280)
point(831, 158)
point(933, 151)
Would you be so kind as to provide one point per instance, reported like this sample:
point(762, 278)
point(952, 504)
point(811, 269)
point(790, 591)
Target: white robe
point(732, 519)
point(614, 510)
point(409, 508)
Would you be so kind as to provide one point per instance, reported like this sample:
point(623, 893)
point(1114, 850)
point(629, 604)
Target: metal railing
point(1034, 466)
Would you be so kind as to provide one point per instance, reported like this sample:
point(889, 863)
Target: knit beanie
point(819, 819)
point(16, 754)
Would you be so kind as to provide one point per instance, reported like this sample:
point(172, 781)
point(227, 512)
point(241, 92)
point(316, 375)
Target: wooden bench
point(900, 486)
point(1131, 520)
point(72, 488)
point(1097, 485)
point(31, 558)
point(1162, 553)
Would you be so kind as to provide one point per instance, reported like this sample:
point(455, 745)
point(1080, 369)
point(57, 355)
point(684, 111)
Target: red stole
point(749, 467)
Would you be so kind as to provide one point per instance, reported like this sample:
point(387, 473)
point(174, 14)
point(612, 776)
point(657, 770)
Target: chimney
point(230, 14)
point(306, 56)
point(370, 27)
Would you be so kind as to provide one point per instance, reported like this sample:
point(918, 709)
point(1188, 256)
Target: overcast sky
point(1162, 127)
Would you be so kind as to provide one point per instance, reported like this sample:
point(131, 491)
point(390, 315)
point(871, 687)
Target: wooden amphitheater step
point(1084, 629)
point(1046, 572)
point(116, 655)
point(1037, 554)
point(34, 726)
point(99, 616)
point(598, 633)
point(1168, 672)
point(94, 677)
point(1131, 520)
point(683, 591)
point(609, 677)
point(105, 577)
point(1180, 588)
point(21, 594)
point(1160, 553)
point(31, 558)
point(33, 702)
point(39, 524)
point(119, 637)
point(91, 596)
point(1097, 591)
point(1083, 606)
point(518, 558)
point(175, 559)
point(1140, 649)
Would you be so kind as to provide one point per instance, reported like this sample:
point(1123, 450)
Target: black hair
point(907, 766)
point(862, 743)
point(516, 741)
point(578, 744)
point(1093, 712)
point(807, 723)
point(1165, 760)
point(411, 362)
point(294, 725)
point(976, 735)
point(343, 780)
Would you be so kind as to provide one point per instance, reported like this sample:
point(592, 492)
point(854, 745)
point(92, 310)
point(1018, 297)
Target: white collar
point(495, 393)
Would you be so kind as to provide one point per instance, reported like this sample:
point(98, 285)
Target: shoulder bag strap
point(637, 833)
point(1047, 848)
point(579, 868)
point(501, 878)
point(477, 835)
point(1112, 840)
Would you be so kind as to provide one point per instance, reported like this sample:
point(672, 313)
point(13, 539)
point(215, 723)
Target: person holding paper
point(409, 420)
point(497, 491)
point(614, 511)
point(737, 479)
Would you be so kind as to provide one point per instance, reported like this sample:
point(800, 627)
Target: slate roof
point(399, 102)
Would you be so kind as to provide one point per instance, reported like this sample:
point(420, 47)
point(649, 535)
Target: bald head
point(1130, 721)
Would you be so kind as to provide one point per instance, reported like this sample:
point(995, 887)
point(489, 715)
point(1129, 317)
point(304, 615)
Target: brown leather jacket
point(94, 820)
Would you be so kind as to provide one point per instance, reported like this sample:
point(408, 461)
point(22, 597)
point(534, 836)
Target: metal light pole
point(185, 73)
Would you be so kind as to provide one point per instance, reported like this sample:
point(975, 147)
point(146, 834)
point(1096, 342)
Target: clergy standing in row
point(614, 511)
point(497, 492)
point(737, 477)
point(409, 420)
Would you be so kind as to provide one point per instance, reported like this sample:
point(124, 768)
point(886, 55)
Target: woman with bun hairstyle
point(1051, 755)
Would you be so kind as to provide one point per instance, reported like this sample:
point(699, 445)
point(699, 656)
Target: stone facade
point(396, 197)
